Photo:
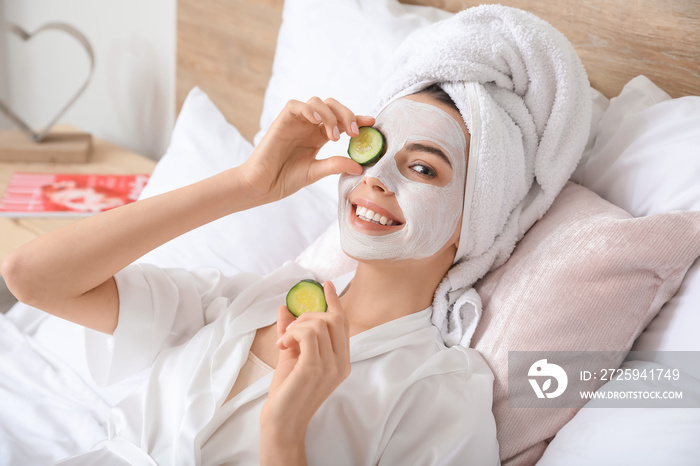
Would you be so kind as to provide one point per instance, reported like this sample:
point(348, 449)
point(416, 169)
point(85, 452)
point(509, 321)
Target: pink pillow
point(586, 277)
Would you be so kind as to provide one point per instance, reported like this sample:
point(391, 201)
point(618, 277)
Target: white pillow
point(644, 140)
point(639, 436)
point(646, 159)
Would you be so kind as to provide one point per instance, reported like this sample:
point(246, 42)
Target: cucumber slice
point(306, 296)
point(367, 147)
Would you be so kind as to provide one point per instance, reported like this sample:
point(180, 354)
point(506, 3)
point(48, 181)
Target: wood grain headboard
point(226, 47)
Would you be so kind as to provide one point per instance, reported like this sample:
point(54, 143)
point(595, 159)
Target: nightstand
point(105, 158)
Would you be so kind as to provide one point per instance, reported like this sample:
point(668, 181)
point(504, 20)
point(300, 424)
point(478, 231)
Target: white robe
point(408, 399)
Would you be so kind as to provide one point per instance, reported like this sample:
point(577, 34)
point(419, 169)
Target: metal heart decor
point(38, 136)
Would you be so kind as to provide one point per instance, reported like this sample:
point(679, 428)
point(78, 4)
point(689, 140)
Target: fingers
point(345, 119)
point(330, 330)
point(333, 166)
point(332, 117)
point(331, 297)
point(364, 120)
point(284, 318)
point(305, 110)
point(340, 328)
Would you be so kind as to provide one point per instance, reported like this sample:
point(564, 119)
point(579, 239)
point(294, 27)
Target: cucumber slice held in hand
point(368, 146)
point(306, 296)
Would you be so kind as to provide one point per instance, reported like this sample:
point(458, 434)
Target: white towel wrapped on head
point(524, 96)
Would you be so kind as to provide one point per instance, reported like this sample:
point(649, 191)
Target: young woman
point(368, 382)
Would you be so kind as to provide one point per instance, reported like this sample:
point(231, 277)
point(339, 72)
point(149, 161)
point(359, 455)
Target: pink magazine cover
point(73, 194)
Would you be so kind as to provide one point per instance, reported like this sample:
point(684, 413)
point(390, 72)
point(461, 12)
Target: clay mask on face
point(431, 212)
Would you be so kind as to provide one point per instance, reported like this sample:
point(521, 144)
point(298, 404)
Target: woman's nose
point(374, 183)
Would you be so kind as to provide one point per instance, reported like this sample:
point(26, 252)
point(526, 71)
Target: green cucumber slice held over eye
point(306, 296)
point(367, 147)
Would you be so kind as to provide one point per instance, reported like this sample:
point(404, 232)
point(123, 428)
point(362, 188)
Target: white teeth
point(370, 216)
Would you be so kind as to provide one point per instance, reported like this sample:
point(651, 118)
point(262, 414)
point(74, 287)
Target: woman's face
point(408, 205)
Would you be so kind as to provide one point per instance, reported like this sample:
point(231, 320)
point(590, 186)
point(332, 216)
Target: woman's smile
point(371, 218)
point(369, 215)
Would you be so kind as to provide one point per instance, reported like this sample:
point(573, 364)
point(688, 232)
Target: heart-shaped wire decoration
point(38, 136)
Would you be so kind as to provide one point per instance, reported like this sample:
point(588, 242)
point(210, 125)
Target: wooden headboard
point(227, 47)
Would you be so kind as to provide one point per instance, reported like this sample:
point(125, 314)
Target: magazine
point(68, 194)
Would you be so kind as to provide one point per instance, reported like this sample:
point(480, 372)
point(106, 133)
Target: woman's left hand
point(314, 359)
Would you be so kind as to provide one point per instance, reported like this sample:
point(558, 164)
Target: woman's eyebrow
point(418, 147)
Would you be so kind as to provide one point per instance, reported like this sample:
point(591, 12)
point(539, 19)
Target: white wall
point(131, 98)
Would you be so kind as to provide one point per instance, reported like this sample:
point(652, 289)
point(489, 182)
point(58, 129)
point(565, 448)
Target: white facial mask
point(431, 212)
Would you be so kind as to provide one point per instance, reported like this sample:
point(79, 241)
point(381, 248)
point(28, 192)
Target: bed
point(239, 62)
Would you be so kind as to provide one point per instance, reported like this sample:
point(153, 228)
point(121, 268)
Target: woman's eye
point(423, 170)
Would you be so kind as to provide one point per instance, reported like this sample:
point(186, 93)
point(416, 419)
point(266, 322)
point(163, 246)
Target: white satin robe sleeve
point(158, 308)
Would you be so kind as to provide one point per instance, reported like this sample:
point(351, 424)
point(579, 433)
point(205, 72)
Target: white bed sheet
point(47, 411)
point(50, 406)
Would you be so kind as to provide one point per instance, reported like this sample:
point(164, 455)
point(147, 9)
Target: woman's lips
point(368, 216)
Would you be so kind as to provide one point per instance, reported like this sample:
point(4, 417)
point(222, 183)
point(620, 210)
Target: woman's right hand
point(285, 160)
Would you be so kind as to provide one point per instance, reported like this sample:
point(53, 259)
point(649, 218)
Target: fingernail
point(336, 132)
point(354, 128)
point(289, 326)
point(317, 116)
point(279, 340)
